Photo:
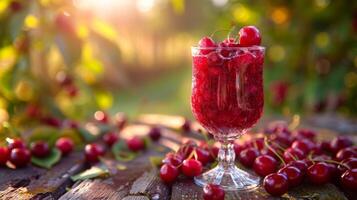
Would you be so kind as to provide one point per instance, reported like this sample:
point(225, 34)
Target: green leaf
point(156, 161)
point(93, 172)
point(122, 153)
point(91, 131)
point(48, 161)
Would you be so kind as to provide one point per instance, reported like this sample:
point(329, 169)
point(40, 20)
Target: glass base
point(230, 179)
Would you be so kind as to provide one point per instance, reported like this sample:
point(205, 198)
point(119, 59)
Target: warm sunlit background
point(74, 57)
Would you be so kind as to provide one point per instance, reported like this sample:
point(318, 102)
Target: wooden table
point(139, 180)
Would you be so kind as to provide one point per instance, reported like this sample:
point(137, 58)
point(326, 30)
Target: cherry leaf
point(91, 173)
point(49, 161)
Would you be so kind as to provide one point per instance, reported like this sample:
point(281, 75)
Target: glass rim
point(254, 47)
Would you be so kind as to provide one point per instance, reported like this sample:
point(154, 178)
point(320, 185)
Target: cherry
point(110, 138)
point(349, 179)
point(93, 152)
point(207, 44)
point(257, 143)
point(293, 174)
point(264, 165)
point(214, 152)
point(155, 133)
point(51, 121)
point(247, 156)
point(301, 165)
point(173, 159)
point(203, 156)
point(276, 184)
point(191, 167)
point(121, 120)
point(290, 154)
point(282, 138)
point(70, 124)
point(64, 22)
point(135, 144)
point(304, 145)
point(249, 36)
point(4, 155)
point(305, 133)
point(186, 126)
point(238, 148)
point(33, 111)
point(186, 148)
point(339, 143)
point(20, 157)
point(72, 90)
point(350, 162)
point(346, 153)
point(15, 6)
point(40, 149)
point(101, 116)
point(325, 146)
point(65, 145)
point(213, 192)
point(318, 173)
point(168, 173)
point(13, 143)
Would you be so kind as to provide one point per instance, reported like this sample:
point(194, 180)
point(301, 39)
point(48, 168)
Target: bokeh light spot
point(322, 40)
point(276, 53)
point(24, 91)
point(243, 14)
point(351, 79)
point(145, 5)
point(322, 3)
point(219, 3)
point(31, 21)
point(280, 15)
point(4, 116)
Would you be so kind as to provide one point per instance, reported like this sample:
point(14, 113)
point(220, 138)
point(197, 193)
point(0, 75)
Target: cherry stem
point(230, 32)
point(266, 142)
point(217, 31)
point(331, 161)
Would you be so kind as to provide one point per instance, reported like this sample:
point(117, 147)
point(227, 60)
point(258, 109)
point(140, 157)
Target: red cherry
point(15, 6)
point(186, 148)
point(110, 138)
point(349, 179)
point(33, 111)
point(325, 146)
point(186, 126)
point(301, 165)
point(305, 133)
point(64, 23)
point(214, 152)
point(339, 143)
point(264, 165)
point(293, 174)
point(276, 184)
point(72, 90)
point(40, 149)
point(203, 156)
point(247, 156)
point(318, 173)
point(4, 155)
point(238, 148)
point(168, 173)
point(93, 152)
point(291, 154)
point(282, 138)
point(305, 145)
point(213, 192)
point(101, 117)
point(52, 121)
point(65, 145)
point(121, 120)
point(155, 133)
point(249, 36)
point(20, 157)
point(257, 143)
point(13, 143)
point(135, 144)
point(346, 153)
point(207, 44)
point(173, 159)
point(350, 162)
point(191, 167)
point(70, 124)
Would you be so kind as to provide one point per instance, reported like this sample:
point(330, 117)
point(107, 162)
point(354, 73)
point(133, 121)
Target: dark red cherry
point(4, 155)
point(238, 148)
point(40, 149)
point(70, 124)
point(318, 173)
point(15, 6)
point(339, 143)
point(168, 173)
point(346, 153)
point(203, 156)
point(247, 156)
point(207, 45)
point(186, 148)
point(291, 154)
point(213, 192)
point(65, 145)
point(52, 121)
point(155, 133)
point(173, 159)
point(101, 116)
point(93, 152)
point(305, 145)
point(249, 36)
point(110, 138)
point(276, 184)
point(349, 179)
point(191, 167)
point(13, 143)
point(257, 143)
point(186, 126)
point(349, 162)
point(294, 175)
point(300, 164)
point(264, 165)
point(20, 157)
point(305, 133)
point(135, 144)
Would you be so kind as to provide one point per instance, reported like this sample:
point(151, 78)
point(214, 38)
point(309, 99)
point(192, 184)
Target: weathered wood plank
point(39, 183)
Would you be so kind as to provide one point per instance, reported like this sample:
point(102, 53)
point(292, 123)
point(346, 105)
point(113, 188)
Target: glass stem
point(226, 154)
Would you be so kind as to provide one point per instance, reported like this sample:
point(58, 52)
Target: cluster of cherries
point(284, 158)
point(18, 154)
